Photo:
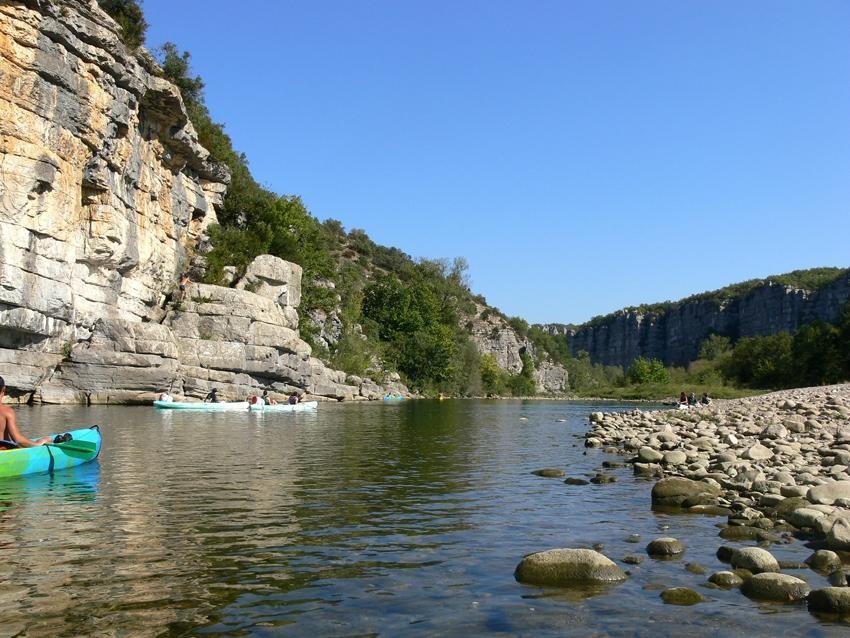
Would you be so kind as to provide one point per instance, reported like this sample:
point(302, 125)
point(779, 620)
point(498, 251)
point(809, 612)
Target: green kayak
point(82, 448)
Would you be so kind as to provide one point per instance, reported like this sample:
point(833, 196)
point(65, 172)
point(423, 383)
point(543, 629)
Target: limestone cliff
point(105, 193)
point(674, 335)
point(493, 335)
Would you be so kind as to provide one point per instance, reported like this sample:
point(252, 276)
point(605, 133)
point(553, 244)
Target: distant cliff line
point(673, 331)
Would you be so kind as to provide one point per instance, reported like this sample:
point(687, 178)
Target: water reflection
point(391, 519)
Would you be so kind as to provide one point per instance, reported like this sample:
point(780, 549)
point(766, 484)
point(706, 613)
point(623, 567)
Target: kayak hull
point(304, 406)
point(84, 447)
point(208, 407)
point(237, 406)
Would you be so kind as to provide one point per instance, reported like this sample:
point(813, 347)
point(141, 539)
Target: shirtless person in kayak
point(9, 427)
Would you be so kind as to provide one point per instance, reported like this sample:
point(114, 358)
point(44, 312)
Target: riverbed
point(392, 519)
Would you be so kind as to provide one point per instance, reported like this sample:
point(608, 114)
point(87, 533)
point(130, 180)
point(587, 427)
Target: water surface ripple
point(379, 519)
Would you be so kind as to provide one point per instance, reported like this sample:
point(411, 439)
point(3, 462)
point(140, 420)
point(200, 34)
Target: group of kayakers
point(253, 399)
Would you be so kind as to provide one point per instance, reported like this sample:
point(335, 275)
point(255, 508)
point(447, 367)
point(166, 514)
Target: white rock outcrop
point(105, 193)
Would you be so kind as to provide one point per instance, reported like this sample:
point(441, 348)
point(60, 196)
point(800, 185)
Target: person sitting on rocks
point(212, 396)
point(294, 398)
point(705, 400)
point(683, 399)
point(9, 431)
point(692, 399)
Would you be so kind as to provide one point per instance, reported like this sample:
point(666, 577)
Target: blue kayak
point(82, 448)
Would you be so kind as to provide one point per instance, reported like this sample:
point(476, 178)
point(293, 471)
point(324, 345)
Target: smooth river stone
point(567, 567)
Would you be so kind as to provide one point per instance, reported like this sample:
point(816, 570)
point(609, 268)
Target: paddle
point(86, 447)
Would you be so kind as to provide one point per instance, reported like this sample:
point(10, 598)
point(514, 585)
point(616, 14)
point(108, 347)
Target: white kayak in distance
point(237, 406)
point(301, 406)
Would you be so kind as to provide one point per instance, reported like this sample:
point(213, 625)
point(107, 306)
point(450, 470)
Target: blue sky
point(582, 155)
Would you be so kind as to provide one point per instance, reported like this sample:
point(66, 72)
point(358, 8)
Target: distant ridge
point(673, 331)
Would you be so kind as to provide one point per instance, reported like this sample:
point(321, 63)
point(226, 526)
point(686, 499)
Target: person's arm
point(15, 434)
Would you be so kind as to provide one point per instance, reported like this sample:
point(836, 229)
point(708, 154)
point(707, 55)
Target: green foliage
point(545, 343)
point(176, 69)
point(645, 370)
point(714, 347)
point(128, 14)
point(819, 353)
point(493, 378)
point(523, 383)
point(816, 356)
point(761, 362)
point(519, 325)
point(421, 338)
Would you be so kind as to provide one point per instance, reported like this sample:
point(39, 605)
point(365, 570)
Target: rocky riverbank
point(776, 466)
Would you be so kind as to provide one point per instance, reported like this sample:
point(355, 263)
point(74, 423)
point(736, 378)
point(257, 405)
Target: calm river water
point(400, 519)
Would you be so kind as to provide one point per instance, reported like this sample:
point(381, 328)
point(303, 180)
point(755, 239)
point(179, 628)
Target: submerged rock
point(665, 547)
point(549, 472)
point(824, 561)
point(776, 587)
point(726, 579)
point(681, 596)
point(834, 600)
point(566, 567)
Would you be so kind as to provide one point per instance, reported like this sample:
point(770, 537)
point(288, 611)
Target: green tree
point(714, 347)
point(523, 384)
point(761, 362)
point(645, 370)
point(176, 67)
point(128, 14)
point(815, 352)
point(493, 377)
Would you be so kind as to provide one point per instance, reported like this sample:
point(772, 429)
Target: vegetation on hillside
point(129, 15)
point(398, 314)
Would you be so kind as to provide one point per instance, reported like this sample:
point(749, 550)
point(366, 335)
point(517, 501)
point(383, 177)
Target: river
point(391, 519)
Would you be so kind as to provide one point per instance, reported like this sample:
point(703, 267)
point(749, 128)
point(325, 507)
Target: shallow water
point(380, 519)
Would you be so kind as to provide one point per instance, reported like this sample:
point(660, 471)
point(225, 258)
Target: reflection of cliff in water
point(375, 484)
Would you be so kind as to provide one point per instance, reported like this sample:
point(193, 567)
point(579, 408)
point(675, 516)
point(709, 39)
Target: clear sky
point(582, 155)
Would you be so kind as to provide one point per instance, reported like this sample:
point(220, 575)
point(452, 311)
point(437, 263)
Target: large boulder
point(674, 490)
point(838, 536)
point(755, 559)
point(832, 600)
point(828, 493)
point(776, 587)
point(273, 278)
point(567, 567)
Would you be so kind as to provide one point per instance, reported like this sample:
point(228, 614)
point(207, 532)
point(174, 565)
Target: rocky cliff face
point(675, 336)
point(104, 194)
point(494, 336)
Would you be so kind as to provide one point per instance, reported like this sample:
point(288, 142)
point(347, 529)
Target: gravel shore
point(775, 465)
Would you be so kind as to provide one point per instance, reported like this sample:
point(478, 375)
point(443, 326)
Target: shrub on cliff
point(128, 14)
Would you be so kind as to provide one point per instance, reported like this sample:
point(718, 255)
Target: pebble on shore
point(775, 465)
point(776, 458)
